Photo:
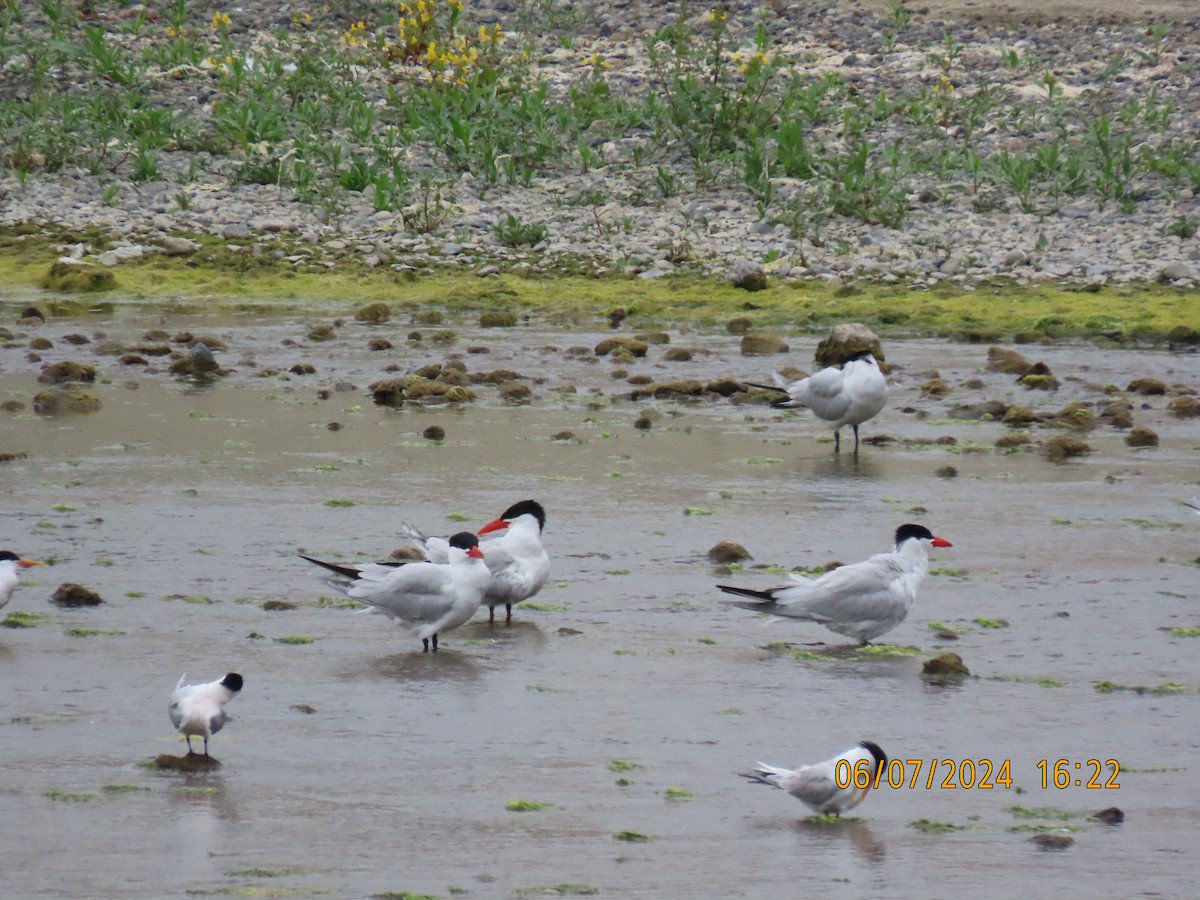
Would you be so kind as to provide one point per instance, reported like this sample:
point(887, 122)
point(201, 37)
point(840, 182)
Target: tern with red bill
point(518, 562)
point(861, 601)
point(822, 787)
point(198, 710)
point(10, 573)
point(425, 597)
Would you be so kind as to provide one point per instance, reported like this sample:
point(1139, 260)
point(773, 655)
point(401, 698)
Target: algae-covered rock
point(935, 387)
point(945, 664)
point(739, 325)
point(1147, 387)
point(1184, 407)
point(434, 433)
point(747, 274)
point(728, 552)
point(389, 392)
point(1061, 447)
point(192, 762)
point(683, 388)
point(66, 371)
point(59, 400)
point(654, 337)
point(678, 354)
point(1117, 413)
point(323, 332)
point(70, 594)
point(760, 343)
point(844, 340)
point(1010, 362)
point(77, 276)
point(1142, 437)
point(1020, 416)
point(987, 409)
point(1076, 415)
point(1038, 377)
point(515, 392)
point(498, 319)
point(631, 346)
point(726, 386)
point(375, 345)
point(1013, 441)
point(373, 313)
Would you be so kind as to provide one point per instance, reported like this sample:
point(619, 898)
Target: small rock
point(373, 313)
point(1109, 816)
point(1060, 448)
point(678, 354)
point(498, 319)
point(1052, 841)
point(70, 594)
point(67, 371)
point(322, 333)
point(1176, 271)
point(728, 552)
point(1020, 416)
point(629, 345)
point(747, 275)
point(1147, 387)
point(1001, 359)
point(375, 345)
point(1142, 437)
point(1184, 407)
point(759, 343)
point(178, 246)
point(434, 433)
point(739, 325)
point(844, 340)
point(946, 472)
point(515, 392)
point(1038, 377)
point(945, 664)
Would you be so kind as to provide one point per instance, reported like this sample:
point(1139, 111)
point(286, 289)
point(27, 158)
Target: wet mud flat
point(594, 744)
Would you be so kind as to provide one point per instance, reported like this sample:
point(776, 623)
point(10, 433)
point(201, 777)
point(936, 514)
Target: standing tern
point(425, 597)
point(860, 601)
point(10, 563)
point(849, 394)
point(816, 786)
point(199, 709)
point(518, 562)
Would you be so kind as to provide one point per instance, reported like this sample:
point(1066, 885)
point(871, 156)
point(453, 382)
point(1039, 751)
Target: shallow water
point(399, 779)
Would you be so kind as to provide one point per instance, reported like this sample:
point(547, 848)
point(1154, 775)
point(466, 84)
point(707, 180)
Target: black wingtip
point(345, 571)
point(763, 597)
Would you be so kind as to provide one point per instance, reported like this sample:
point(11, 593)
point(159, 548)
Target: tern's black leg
point(856, 439)
point(435, 643)
point(508, 613)
point(837, 441)
point(206, 745)
point(189, 743)
point(491, 615)
point(425, 644)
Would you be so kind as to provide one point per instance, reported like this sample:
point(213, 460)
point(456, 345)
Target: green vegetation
point(633, 837)
point(296, 639)
point(677, 795)
point(560, 890)
point(887, 650)
point(526, 806)
point(622, 765)
point(92, 632)
point(20, 618)
point(933, 826)
point(67, 797)
point(983, 622)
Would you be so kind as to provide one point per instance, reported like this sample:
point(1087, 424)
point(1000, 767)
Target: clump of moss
point(617, 345)
point(1038, 377)
point(760, 343)
point(498, 319)
point(66, 371)
point(526, 806)
point(1020, 416)
point(373, 313)
point(70, 594)
point(945, 664)
point(686, 387)
point(1147, 387)
point(1010, 362)
point(1184, 407)
point(1061, 447)
point(1141, 436)
point(71, 276)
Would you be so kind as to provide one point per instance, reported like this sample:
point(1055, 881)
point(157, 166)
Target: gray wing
point(417, 591)
point(823, 392)
point(514, 579)
point(814, 784)
point(867, 590)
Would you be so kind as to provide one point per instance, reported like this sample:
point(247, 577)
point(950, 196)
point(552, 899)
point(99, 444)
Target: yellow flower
point(716, 16)
point(220, 20)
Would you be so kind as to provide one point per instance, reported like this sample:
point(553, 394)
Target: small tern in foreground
point(10, 564)
point(427, 598)
point(518, 562)
point(861, 601)
point(816, 786)
point(848, 394)
point(198, 710)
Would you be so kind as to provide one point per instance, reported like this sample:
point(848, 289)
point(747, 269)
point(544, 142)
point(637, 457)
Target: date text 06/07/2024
point(982, 774)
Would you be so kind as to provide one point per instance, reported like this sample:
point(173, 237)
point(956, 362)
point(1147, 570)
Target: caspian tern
point(816, 786)
point(847, 395)
point(518, 562)
point(199, 709)
point(861, 601)
point(9, 576)
point(427, 598)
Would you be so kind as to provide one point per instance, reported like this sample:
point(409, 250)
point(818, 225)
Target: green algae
point(1147, 312)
